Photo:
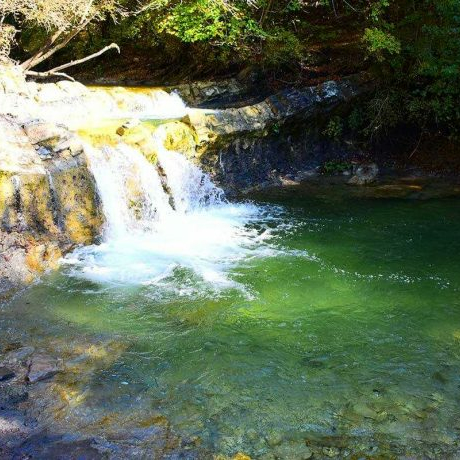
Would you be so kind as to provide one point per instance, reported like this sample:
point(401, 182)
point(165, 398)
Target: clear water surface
point(338, 324)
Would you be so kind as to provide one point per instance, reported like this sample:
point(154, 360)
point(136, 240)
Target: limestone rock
point(217, 128)
point(12, 80)
point(41, 132)
point(17, 152)
point(72, 144)
point(49, 92)
point(73, 89)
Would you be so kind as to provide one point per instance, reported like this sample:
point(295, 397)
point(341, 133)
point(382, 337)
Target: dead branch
point(31, 73)
point(112, 46)
point(56, 70)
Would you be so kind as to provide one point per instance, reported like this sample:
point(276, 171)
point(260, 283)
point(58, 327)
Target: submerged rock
point(6, 374)
point(293, 451)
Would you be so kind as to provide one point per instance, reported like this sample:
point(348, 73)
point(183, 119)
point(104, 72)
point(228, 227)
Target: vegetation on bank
point(411, 48)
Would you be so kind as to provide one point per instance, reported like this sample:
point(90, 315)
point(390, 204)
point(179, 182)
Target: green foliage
point(418, 65)
point(380, 42)
point(205, 20)
point(335, 167)
point(334, 128)
point(282, 47)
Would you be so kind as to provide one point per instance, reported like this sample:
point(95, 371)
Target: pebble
point(274, 438)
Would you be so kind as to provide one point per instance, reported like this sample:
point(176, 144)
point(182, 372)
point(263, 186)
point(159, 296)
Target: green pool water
point(347, 339)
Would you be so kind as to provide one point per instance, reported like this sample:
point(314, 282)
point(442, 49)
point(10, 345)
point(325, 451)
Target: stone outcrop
point(262, 143)
point(48, 201)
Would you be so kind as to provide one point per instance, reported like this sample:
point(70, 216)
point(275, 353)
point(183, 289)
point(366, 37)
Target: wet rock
point(44, 153)
point(208, 92)
point(217, 128)
point(364, 174)
point(287, 181)
point(42, 367)
point(304, 175)
point(46, 446)
point(179, 137)
point(6, 374)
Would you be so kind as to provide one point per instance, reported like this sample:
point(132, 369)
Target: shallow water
point(338, 325)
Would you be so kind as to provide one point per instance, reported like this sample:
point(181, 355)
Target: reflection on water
point(343, 339)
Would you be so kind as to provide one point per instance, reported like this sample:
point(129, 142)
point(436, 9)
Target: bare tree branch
point(49, 74)
point(112, 46)
point(56, 70)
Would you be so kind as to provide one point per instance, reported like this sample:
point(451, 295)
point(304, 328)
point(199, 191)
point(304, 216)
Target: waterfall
point(165, 224)
point(132, 195)
point(190, 187)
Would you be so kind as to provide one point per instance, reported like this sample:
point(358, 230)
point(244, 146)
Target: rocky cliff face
point(48, 200)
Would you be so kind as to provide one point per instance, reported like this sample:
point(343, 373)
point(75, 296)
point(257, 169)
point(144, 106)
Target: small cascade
point(132, 195)
point(190, 187)
point(166, 224)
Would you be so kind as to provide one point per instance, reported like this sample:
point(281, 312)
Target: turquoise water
point(344, 335)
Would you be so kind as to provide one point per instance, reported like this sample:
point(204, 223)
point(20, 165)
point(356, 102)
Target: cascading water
point(131, 191)
point(163, 219)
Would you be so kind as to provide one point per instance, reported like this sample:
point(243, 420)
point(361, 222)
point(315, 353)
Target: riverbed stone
point(19, 354)
point(274, 438)
point(42, 367)
point(331, 452)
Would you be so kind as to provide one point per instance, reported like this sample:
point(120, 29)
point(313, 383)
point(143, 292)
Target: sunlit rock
point(45, 133)
point(178, 137)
